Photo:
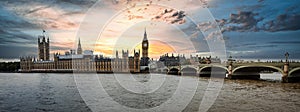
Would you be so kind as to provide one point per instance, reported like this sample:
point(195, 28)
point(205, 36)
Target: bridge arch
point(205, 71)
point(174, 71)
point(216, 66)
point(257, 66)
point(294, 72)
point(189, 71)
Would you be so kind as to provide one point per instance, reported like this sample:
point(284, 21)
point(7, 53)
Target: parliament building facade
point(85, 61)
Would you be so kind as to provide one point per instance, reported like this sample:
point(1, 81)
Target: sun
point(157, 48)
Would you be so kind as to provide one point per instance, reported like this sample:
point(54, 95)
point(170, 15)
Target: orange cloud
point(55, 18)
point(157, 48)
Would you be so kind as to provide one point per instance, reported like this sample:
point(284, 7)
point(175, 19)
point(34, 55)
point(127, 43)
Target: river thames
point(59, 92)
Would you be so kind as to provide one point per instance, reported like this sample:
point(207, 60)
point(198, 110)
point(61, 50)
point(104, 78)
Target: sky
point(249, 29)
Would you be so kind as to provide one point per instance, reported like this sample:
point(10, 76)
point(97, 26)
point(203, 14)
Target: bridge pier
point(285, 72)
point(230, 69)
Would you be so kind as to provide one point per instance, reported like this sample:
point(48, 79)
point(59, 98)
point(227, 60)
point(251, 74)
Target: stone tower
point(117, 54)
point(125, 54)
point(145, 47)
point(79, 49)
point(136, 62)
point(43, 47)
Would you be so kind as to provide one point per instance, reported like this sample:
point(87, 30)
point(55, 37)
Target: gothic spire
point(79, 44)
point(79, 49)
point(145, 35)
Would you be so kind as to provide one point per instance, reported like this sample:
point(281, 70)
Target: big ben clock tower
point(145, 47)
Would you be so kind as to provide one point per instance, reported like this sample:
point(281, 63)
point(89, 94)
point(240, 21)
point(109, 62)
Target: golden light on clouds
point(124, 29)
point(157, 48)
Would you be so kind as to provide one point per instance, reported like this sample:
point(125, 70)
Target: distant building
point(194, 59)
point(209, 60)
point(174, 60)
point(170, 60)
point(82, 62)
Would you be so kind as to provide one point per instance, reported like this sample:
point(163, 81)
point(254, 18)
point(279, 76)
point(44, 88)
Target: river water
point(140, 92)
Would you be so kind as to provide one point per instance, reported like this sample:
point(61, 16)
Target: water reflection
point(275, 76)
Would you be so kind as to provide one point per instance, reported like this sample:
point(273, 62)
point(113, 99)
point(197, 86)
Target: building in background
point(84, 61)
point(170, 60)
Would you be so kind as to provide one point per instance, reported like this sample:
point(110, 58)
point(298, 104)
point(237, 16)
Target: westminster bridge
point(290, 70)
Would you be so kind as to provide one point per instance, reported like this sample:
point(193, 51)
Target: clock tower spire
point(145, 47)
point(145, 35)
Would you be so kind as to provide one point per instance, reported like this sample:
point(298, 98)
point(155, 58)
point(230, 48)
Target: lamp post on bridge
point(286, 57)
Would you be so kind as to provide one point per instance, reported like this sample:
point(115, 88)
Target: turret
point(79, 49)
point(117, 54)
point(44, 40)
point(43, 47)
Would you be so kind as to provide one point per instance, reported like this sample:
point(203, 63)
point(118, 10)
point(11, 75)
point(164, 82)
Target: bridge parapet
point(258, 64)
point(293, 65)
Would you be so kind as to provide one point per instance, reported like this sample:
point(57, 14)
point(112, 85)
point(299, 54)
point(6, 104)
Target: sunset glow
point(105, 25)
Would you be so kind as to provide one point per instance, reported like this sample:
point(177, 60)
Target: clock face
point(145, 44)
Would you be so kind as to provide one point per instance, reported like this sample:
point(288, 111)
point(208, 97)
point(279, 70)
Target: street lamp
point(286, 56)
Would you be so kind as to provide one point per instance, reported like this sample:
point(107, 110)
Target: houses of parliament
point(85, 61)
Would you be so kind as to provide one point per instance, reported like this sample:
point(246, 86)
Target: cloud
point(52, 18)
point(37, 9)
point(21, 20)
point(283, 22)
point(16, 51)
point(285, 42)
point(9, 20)
point(248, 22)
point(242, 21)
point(54, 14)
point(204, 3)
point(14, 37)
point(11, 29)
point(260, 0)
point(61, 45)
point(215, 35)
point(171, 16)
point(205, 26)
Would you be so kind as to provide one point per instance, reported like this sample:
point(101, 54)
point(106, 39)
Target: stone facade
point(43, 48)
point(80, 62)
